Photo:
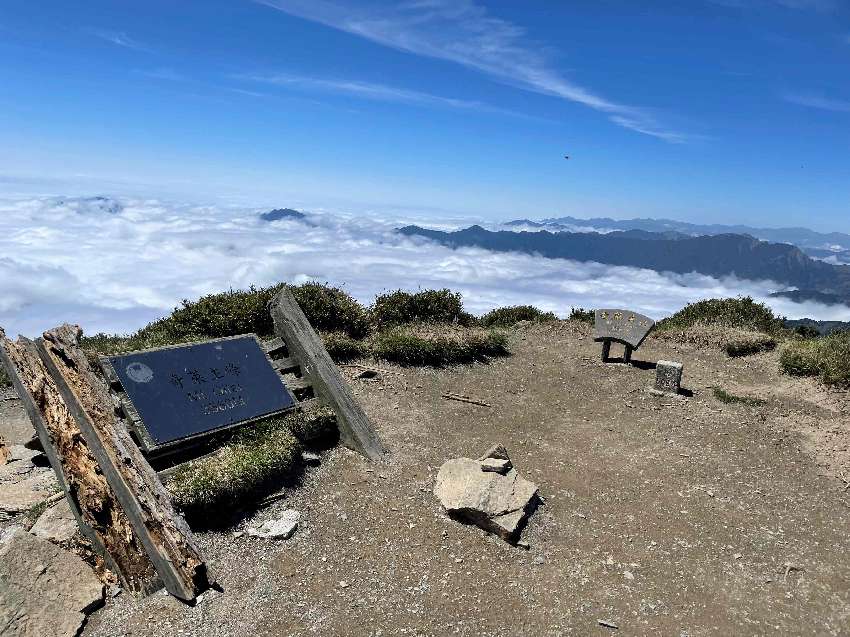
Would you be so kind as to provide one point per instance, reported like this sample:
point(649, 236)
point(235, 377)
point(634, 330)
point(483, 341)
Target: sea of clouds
point(114, 264)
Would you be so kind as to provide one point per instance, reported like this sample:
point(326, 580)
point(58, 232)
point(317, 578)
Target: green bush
point(438, 345)
point(427, 306)
point(219, 315)
point(236, 312)
point(730, 399)
point(330, 309)
point(582, 315)
point(342, 348)
point(827, 357)
point(5, 381)
point(742, 313)
point(244, 470)
point(511, 315)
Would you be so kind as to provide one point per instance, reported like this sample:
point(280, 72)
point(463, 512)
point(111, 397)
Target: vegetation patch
point(827, 357)
point(741, 313)
point(247, 468)
point(439, 345)
point(731, 399)
point(583, 316)
point(426, 306)
point(331, 309)
point(5, 380)
point(511, 315)
point(343, 348)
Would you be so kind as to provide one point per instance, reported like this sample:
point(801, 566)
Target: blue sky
point(704, 110)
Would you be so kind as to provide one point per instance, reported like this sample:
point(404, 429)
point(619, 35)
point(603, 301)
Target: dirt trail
point(662, 516)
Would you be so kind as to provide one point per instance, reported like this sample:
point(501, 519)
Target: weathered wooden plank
point(285, 365)
point(356, 430)
point(163, 533)
point(272, 345)
point(93, 502)
point(297, 384)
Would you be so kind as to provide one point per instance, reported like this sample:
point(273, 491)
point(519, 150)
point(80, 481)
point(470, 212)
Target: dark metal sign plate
point(624, 326)
point(193, 389)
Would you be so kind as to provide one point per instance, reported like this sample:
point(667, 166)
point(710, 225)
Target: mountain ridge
point(719, 255)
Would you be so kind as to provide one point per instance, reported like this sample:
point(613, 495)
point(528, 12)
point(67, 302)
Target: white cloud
point(371, 91)
point(464, 33)
point(819, 102)
point(72, 260)
point(119, 38)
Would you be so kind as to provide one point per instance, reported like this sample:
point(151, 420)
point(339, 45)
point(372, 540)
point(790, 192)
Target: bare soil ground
point(669, 516)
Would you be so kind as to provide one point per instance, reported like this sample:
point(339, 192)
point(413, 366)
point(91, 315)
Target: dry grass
point(732, 340)
point(827, 358)
point(248, 467)
point(438, 345)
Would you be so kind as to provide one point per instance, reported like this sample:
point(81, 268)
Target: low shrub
point(5, 380)
point(438, 345)
point(743, 343)
point(733, 341)
point(827, 357)
point(331, 309)
point(582, 315)
point(511, 315)
point(730, 399)
point(342, 348)
point(426, 306)
point(245, 469)
point(741, 313)
point(237, 312)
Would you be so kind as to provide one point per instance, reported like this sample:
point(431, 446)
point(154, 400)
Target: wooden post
point(163, 533)
point(606, 351)
point(93, 502)
point(355, 428)
point(627, 354)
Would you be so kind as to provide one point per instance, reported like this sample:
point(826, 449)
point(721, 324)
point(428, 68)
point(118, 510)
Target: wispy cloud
point(818, 101)
point(462, 32)
point(371, 91)
point(163, 73)
point(119, 38)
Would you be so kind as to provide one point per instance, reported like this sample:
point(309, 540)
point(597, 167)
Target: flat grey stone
point(279, 529)
point(497, 465)
point(44, 590)
point(56, 524)
point(496, 451)
point(311, 458)
point(497, 503)
point(18, 497)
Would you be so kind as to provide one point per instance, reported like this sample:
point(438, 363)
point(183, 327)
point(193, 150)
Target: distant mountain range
point(716, 255)
point(831, 246)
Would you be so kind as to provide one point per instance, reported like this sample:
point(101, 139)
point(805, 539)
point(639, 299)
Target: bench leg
point(606, 351)
point(627, 355)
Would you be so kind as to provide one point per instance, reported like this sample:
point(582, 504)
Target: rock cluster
point(487, 492)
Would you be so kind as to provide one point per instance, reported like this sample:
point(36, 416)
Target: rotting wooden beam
point(93, 502)
point(162, 532)
point(305, 346)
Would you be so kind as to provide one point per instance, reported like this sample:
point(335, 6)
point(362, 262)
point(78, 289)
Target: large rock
point(497, 503)
point(19, 497)
point(44, 590)
point(57, 524)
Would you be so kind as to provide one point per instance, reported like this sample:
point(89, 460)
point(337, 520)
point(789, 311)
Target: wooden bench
point(620, 326)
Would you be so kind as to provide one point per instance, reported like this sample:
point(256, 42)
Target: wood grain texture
point(305, 346)
point(93, 502)
point(162, 532)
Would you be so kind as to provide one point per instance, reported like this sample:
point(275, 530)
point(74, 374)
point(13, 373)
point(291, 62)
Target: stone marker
point(668, 378)
point(57, 524)
point(44, 590)
point(495, 502)
point(281, 528)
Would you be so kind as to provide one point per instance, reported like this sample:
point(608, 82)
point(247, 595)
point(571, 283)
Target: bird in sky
point(566, 156)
